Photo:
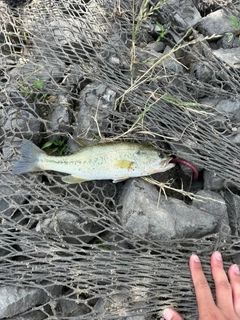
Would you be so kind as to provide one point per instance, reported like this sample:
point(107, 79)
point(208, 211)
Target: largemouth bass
point(117, 161)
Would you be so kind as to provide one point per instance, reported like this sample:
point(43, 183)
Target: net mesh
point(63, 248)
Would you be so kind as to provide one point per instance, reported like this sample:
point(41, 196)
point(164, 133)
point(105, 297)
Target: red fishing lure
point(187, 164)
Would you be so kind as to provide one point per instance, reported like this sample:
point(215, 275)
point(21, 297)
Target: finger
point(222, 285)
point(170, 314)
point(203, 293)
point(234, 276)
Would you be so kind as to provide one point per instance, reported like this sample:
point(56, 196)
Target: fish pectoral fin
point(124, 164)
point(120, 179)
point(72, 179)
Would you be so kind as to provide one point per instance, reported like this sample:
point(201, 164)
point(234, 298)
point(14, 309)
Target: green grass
point(57, 146)
point(236, 25)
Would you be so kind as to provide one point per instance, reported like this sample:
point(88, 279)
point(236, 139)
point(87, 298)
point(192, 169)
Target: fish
point(116, 161)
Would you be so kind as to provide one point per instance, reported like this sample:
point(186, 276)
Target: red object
point(187, 164)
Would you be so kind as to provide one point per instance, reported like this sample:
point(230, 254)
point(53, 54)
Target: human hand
point(227, 306)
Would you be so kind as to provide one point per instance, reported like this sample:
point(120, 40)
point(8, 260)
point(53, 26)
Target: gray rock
point(225, 114)
point(201, 71)
point(212, 181)
point(16, 300)
point(235, 136)
point(45, 70)
point(8, 148)
point(227, 106)
point(148, 57)
point(68, 225)
point(10, 191)
point(233, 207)
point(59, 120)
point(96, 101)
point(156, 46)
point(171, 62)
point(18, 120)
point(236, 258)
point(216, 22)
point(182, 13)
point(120, 300)
point(226, 44)
point(114, 51)
point(69, 39)
point(144, 215)
point(69, 308)
point(229, 56)
point(36, 315)
point(217, 207)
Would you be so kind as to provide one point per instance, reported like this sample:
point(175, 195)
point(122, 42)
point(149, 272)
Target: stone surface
point(171, 62)
point(18, 120)
point(96, 101)
point(211, 181)
point(212, 202)
point(229, 56)
point(226, 44)
point(216, 22)
point(59, 120)
point(7, 203)
point(36, 315)
point(70, 308)
point(227, 106)
point(16, 300)
point(69, 226)
point(235, 136)
point(182, 13)
point(233, 207)
point(144, 215)
point(201, 71)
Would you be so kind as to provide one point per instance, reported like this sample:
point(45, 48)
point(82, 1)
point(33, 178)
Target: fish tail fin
point(29, 160)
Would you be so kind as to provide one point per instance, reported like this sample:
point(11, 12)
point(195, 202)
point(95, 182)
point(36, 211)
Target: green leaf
point(233, 19)
point(160, 26)
point(230, 36)
point(47, 144)
point(162, 31)
point(54, 150)
point(63, 150)
point(58, 142)
point(235, 22)
point(38, 84)
point(26, 92)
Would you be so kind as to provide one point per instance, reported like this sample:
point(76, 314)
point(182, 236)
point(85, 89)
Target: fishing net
point(85, 69)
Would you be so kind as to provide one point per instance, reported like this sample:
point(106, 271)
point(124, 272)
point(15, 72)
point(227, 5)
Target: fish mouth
point(165, 163)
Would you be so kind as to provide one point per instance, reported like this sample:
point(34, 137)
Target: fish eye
point(161, 155)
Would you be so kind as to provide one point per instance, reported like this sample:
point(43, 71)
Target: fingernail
point(218, 256)
point(236, 269)
point(167, 313)
point(195, 258)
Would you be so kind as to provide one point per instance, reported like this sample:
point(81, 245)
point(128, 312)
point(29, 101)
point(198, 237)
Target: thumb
point(170, 314)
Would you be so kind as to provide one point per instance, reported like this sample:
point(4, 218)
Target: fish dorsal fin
point(71, 179)
point(84, 142)
point(76, 144)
